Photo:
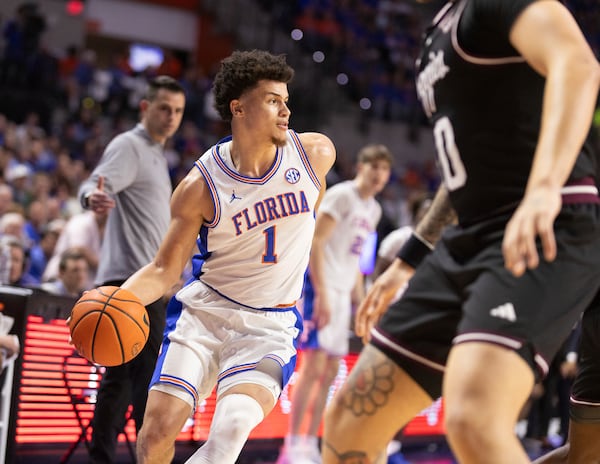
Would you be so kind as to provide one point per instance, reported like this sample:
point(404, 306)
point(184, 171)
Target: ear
point(144, 104)
point(236, 108)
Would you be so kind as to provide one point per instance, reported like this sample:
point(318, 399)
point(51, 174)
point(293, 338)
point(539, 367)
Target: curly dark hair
point(242, 71)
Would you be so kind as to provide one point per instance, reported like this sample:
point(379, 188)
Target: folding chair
point(82, 385)
point(5, 396)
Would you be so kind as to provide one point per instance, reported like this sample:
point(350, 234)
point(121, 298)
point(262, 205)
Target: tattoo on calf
point(368, 388)
point(349, 457)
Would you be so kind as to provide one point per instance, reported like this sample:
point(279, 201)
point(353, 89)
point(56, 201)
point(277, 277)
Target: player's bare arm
point(438, 216)
point(358, 291)
point(324, 227)
point(190, 204)
point(561, 54)
point(381, 293)
point(321, 154)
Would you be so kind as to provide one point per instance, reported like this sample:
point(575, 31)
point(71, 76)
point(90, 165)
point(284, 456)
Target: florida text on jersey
point(255, 249)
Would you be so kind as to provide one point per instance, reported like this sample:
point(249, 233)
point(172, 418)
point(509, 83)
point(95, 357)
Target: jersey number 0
point(453, 169)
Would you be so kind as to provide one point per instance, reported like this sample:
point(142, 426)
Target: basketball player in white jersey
point(248, 204)
point(347, 216)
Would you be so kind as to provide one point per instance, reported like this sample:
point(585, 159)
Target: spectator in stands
point(69, 62)
point(13, 223)
point(84, 232)
point(6, 198)
point(84, 71)
point(36, 220)
point(17, 259)
point(22, 35)
point(72, 275)
point(40, 253)
point(171, 65)
point(18, 177)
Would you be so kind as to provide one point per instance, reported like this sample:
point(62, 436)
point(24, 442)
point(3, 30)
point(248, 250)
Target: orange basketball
point(109, 326)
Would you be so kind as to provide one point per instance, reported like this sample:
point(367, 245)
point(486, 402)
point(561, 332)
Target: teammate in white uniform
point(347, 215)
point(250, 204)
point(392, 243)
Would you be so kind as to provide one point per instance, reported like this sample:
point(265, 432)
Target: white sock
point(293, 440)
point(312, 441)
point(235, 417)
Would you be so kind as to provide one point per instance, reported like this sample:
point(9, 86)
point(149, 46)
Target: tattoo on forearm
point(439, 215)
point(368, 386)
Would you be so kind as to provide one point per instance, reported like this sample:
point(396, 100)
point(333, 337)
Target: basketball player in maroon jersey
point(510, 89)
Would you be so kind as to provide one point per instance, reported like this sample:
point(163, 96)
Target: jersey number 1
point(453, 169)
point(269, 256)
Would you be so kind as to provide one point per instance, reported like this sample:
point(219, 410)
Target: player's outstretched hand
point(532, 219)
point(380, 296)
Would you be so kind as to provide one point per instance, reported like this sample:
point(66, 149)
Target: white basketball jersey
point(355, 219)
point(255, 250)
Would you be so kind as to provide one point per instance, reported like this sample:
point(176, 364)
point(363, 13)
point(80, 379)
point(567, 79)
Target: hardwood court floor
point(255, 452)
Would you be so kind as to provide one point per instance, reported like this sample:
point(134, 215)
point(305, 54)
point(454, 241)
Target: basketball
point(109, 326)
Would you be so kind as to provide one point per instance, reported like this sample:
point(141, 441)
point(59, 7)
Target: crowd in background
point(375, 43)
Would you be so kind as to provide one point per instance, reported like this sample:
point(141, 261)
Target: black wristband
point(414, 250)
point(85, 200)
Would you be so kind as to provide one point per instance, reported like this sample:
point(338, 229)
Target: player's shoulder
point(193, 194)
point(315, 140)
point(319, 149)
point(205, 157)
point(317, 144)
point(193, 180)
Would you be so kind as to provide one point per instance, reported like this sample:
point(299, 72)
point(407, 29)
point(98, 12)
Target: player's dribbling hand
point(532, 219)
point(380, 296)
point(68, 323)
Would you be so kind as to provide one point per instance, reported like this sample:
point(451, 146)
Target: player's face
point(162, 115)
point(265, 111)
point(374, 175)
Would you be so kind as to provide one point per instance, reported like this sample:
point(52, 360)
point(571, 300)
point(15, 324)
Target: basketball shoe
point(300, 450)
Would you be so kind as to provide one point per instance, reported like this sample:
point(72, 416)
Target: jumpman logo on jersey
point(234, 197)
